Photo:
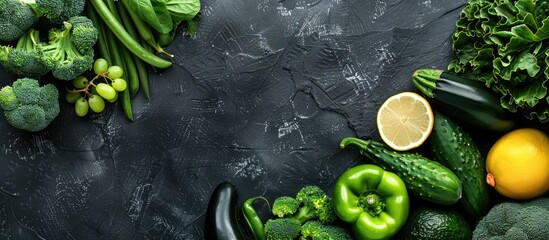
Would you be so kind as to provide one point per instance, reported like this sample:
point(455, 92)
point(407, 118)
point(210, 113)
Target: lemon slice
point(405, 121)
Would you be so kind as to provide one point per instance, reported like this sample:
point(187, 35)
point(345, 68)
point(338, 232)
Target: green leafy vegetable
point(504, 45)
point(183, 10)
point(154, 12)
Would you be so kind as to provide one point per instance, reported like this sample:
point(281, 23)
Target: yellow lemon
point(405, 120)
point(518, 164)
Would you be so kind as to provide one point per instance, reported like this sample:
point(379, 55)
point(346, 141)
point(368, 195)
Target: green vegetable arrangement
point(67, 50)
point(308, 215)
point(504, 45)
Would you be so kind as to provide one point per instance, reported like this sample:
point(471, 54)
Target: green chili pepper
point(253, 219)
point(373, 200)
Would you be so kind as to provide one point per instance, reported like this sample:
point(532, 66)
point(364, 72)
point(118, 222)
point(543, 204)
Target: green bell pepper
point(373, 200)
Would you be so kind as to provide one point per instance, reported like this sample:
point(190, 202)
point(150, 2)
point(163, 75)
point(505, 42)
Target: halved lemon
point(405, 120)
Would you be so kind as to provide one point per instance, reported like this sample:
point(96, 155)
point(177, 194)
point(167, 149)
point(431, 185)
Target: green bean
point(130, 68)
point(131, 44)
point(143, 76)
point(252, 218)
point(101, 41)
point(117, 59)
point(144, 30)
point(136, 68)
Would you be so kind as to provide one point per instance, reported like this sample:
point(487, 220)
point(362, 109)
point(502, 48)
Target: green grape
point(80, 82)
point(115, 72)
point(113, 99)
point(105, 90)
point(119, 84)
point(81, 107)
point(72, 97)
point(97, 104)
point(100, 66)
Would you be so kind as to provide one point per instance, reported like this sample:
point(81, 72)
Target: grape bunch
point(92, 94)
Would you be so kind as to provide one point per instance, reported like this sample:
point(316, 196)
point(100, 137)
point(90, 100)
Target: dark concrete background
point(260, 97)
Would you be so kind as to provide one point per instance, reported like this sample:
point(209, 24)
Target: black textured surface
point(261, 97)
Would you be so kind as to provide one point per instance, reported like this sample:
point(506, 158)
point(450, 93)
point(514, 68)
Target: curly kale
point(515, 221)
point(504, 45)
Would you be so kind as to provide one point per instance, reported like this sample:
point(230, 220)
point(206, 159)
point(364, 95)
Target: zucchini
point(455, 149)
point(424, 178)
point(464, 99)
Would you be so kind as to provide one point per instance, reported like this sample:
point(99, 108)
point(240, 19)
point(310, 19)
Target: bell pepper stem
point(371, 202)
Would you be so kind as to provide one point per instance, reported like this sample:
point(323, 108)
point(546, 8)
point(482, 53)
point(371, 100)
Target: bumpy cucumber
point(424, 178)
point(455, 149)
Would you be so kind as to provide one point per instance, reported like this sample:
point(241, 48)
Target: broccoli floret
point(284, 206)
point(28, 106)
point(315, 230)
point(57, 11)
point(15, 19)
point(69, 51)
point(314, 204)
point(282, 229)
point(515, 220)
point(22, 61)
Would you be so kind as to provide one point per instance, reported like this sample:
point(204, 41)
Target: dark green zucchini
point(221, 215)
point(465, 99)
point(455, 149)
point(424, 178)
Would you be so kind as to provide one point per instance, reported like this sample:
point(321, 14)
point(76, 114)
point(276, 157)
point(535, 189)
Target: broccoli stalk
point(22, 61)
point(69, 51)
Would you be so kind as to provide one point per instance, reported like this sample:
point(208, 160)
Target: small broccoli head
point(315, 204)
point(282, 229)
point(84, 33)
point(15, 18)
point(315, 230)
point(57, 11)
point(62, 55)
point(284, 206)
point(28, 106)
point(515, 220)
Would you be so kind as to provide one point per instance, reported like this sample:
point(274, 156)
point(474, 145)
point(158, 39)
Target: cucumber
point(424, 178)
point(464, 99)
point(455, 149)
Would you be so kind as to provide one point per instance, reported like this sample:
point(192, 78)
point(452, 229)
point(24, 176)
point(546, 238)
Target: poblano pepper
point(373, 200)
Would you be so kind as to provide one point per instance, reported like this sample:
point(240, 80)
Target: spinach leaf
point(181, 10)
point(154, 12)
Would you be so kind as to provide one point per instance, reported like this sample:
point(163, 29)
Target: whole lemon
point(518, 164)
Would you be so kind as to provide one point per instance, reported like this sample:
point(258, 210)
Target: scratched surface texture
point(260, 97)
